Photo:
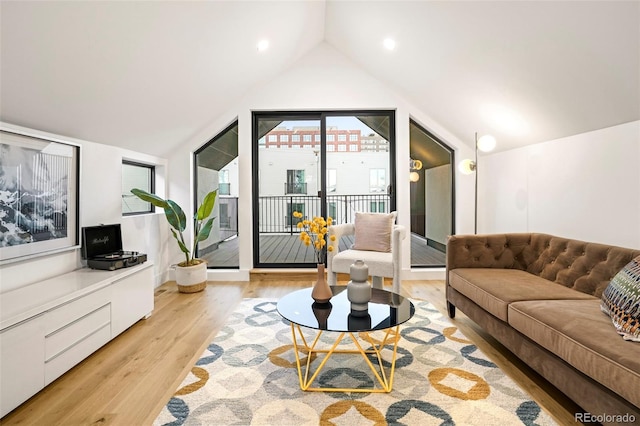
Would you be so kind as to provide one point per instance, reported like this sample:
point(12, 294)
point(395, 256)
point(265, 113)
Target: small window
point(353, 137)
point(135, 175)
point(342, 138)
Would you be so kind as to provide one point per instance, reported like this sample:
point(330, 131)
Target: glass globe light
point(486, 143)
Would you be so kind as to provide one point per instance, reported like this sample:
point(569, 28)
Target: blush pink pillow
point(373, 231)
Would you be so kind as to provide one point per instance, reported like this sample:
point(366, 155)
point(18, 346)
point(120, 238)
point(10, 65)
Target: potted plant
point(191, 273)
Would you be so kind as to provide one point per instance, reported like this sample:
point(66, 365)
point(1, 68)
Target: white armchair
point(381, 264)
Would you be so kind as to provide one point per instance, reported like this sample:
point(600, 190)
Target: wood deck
point(285, 249)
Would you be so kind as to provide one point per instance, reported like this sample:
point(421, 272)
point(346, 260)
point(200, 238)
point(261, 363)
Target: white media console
point(48, 327)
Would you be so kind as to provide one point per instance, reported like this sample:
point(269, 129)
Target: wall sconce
point(413, 166)
point(485, 144)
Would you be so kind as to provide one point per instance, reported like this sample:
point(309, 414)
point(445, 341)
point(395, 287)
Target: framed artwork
point(39, 191)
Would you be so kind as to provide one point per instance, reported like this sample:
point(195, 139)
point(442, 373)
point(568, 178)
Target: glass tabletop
point(386, 310)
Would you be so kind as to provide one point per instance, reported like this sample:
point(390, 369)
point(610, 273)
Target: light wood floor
point(129, 380)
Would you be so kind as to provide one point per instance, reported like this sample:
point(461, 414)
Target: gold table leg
point(386, 383)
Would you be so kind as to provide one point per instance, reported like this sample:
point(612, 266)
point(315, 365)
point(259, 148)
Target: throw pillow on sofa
point(621, 301)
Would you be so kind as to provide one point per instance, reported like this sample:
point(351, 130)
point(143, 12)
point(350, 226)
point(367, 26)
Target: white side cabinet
point(48, 327)
point(21, 362)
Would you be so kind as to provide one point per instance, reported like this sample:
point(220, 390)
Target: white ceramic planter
point(191, 279)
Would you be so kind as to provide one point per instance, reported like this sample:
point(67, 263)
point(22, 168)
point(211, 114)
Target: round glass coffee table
point(386, 312)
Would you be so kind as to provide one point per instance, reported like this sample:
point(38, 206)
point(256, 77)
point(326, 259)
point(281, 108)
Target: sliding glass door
point(319, 164)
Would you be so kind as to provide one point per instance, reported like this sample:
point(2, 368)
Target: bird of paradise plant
point(314, 233)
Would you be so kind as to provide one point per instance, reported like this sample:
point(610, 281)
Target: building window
point(295, 138)
point(307, 138)
point(377, 207)
point(331, 138)
point(353, 147)
point(316, 138)
point(224, 186)
point(296, 183)
point(342, 138)
point(273, 138)
point(377, 180)
point(284, 138)
point(294, 207)
point(331, 148)
point(342, 147)
point(136, 175)
point(353, 137)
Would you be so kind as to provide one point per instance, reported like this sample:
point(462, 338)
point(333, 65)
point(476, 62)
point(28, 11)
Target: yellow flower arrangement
point(314, 233)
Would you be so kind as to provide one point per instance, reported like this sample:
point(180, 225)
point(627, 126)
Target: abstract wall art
point(39, 190)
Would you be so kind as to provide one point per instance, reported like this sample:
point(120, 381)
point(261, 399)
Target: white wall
point(584, 187)
point(100, 202)
point(322, 80)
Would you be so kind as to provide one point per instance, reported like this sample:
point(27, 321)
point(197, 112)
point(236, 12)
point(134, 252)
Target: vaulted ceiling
point(149, 75)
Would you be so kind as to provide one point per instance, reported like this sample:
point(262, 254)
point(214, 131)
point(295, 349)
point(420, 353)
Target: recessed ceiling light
point(389, 43)
point(263, 45)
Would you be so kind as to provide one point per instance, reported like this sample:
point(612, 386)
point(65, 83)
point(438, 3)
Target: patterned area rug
point(248, 376)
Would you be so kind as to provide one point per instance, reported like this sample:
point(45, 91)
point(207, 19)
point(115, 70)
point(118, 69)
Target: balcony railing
point(275, 212)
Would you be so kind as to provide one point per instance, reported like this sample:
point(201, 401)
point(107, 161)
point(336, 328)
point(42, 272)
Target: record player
point(102, 248)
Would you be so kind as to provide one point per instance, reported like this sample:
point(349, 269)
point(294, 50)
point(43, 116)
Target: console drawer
point(66, 337)
point(57, 366)
point(72, 311)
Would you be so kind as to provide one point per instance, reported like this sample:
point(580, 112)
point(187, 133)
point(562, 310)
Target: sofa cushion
point(493, 289)
point(621, 301)
point(577, 332)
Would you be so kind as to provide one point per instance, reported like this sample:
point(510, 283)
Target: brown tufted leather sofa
point(539, 295)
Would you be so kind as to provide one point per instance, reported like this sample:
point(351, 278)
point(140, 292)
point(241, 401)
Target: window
point(353, 137)
point(377, 180)
point(295, 138)
point(273, 138)
point(332, 210)
point(216, 166)
point(296, 183)
point(284, 138)
point(377, 207)
point(135, 175)
point(285, 180)
point(294, 207)
point(224, 186)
